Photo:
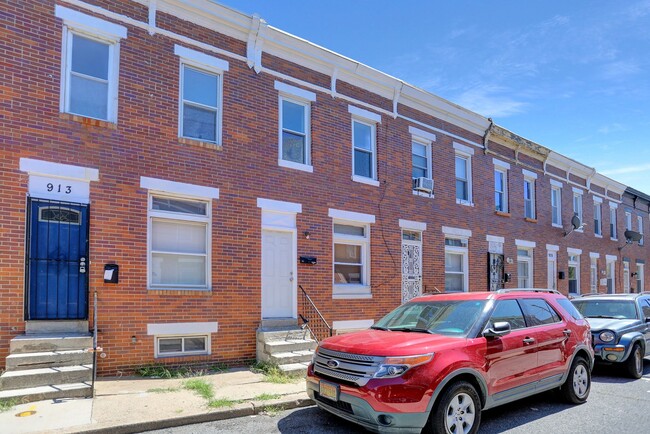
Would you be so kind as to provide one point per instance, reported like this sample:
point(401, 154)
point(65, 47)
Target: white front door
point(278, 280)
point(411, 265)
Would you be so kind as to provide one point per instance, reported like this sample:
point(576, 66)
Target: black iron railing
point(312, 319)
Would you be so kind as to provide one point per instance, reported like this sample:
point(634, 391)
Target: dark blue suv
point(620, 327)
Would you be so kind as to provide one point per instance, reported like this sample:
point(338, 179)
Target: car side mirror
point(500, 328)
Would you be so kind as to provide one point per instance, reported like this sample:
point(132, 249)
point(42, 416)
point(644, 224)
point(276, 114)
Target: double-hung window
point(613, 231)
point(639, 225)
point(529, 194)
point(200, 95)
point(556, 205)
point(90, 58)
point(501, 186)
point(463, 169)
point(577, 204)
point(628, 220)
point(179, 243)
point(295, 127)
point(456, 264)
point(421, 166)
point(598, 218)
point(364, 145)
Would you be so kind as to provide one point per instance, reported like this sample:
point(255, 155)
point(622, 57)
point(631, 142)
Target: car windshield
point(617, 309)
point(445, 317)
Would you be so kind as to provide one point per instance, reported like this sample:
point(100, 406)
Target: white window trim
point(178, 190)
point(501, 164)
point(504, 171)
point(427, 145)
point(450, 232)
point(557, 188)
point(352, 291)
point(575, 264)
point(305, 167)
point(464, 251)
point(552, 248)
point(209, 65)
point(206, 352)
point(529, 174)
point(422, 135)
point(640, 270)
point(373, 129)
point(90, 24)
point(577, 193)
point(533, 187)
point(412, 225)
point(527, 244)
point(556, 183)
point(628, 220)
point(461, 151)
point(551, 272)
point(593, 271)
point(598, 205)
point(639, 228)
point(626, 277)
point(613, 224)
point(495, 239)
point(294, 92)
point(365, 115)
point(113, 42)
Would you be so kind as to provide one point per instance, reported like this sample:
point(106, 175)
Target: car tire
point(577, 386)
point(459, 404)
point(634, 362)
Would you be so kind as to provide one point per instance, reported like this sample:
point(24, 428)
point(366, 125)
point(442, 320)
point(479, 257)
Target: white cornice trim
point(279, 206)
point(350, 216)
point(58, 170)
point(179, 188)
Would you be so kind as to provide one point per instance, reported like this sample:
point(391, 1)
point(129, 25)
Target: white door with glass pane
point(411, 265)
point(524, 268)
point(551, 271)
point(278, 280)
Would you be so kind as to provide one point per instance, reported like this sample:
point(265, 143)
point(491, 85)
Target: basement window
point(167, 346)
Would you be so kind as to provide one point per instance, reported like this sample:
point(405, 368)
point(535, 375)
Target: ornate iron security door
point(411, 269)
point(57, 260)
point(495, 271)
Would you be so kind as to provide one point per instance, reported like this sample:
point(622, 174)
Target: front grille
point(339, 405)
point(353, 368)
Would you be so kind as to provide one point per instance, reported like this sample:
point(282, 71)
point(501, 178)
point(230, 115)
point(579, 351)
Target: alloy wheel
point(580, 380)
point(460, 414)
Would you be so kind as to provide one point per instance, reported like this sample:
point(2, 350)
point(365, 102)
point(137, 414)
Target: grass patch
point(267, 396)
point(7, 404)
point(273, 410)
point(222, 402)
point(163, 371)
point(273, 374)
point(200, 387)
point(164, 389)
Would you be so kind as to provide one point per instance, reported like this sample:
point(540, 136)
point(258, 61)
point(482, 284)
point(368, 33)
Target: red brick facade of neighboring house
point(143, 141)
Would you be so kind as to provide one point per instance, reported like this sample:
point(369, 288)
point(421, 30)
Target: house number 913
point(58, 188)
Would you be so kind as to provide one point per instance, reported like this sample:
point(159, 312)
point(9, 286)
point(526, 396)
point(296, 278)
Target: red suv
point(437, 361)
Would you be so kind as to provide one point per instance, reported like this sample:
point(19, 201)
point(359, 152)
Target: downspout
point(486, 136)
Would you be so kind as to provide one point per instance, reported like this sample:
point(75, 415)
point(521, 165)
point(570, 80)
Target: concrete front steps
point(283, 343)
point(48, 366)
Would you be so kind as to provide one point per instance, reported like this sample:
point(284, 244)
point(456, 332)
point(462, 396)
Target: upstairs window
point(463, 178)
point(577, 204)
point(612, 222)
point(200, 94)
point(500, 190)
point(421, 165)
point(295, 127)
point(529, 198)
point(598, 218)
point(421, 160)
point(556, 206)
point(628, 221)
point(363, 139)
point(639, 225)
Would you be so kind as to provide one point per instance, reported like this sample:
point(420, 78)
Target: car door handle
point(567, 332)
point(528, 341)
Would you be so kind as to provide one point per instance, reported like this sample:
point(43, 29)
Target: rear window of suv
point(570, 308)
point(618, 309)
point(538, 312)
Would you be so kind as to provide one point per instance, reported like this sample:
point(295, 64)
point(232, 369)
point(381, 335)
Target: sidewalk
point(135, 404)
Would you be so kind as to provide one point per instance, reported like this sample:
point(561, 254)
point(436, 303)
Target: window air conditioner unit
point(423, 184)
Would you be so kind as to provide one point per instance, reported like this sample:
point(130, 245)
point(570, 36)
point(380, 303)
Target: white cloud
point(627, 170)
point(611, 128)
point(491, 101)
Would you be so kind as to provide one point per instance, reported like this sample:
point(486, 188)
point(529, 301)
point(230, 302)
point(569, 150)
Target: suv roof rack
point(550, 291)
point(618, 294)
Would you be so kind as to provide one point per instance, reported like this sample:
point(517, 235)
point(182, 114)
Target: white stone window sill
point(177, 288)
point(296, 166)
point(364, 180)
point(598, 236)
point(351, 291)
point(614, 239)
point(464, 202)
point(423, 194)
point(555, 225)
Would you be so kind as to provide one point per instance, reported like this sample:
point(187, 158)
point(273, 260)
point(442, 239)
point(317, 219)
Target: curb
point(199, 418)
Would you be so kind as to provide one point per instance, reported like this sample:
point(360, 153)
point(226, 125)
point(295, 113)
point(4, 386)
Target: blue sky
point(571, 75)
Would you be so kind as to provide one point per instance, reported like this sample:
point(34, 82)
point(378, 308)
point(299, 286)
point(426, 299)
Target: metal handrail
point(321, 329)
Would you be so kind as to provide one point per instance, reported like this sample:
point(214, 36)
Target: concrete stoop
point(48, 366)
point(286, 345)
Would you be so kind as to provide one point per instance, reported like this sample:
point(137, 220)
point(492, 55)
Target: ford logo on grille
point(333, 364)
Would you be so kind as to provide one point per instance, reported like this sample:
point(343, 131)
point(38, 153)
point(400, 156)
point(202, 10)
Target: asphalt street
point(616, 405)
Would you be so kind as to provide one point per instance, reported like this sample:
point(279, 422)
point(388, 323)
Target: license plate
point(329, 390)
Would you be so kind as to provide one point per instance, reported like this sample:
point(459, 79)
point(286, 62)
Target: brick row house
point(196, 169)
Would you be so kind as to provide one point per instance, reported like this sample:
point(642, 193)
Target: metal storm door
point(411, 265)
point(495, 271)
point(57, 260)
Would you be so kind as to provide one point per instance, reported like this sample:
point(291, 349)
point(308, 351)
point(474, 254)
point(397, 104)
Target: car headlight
point(313, 356)
point(607, 336)
point(395, 366)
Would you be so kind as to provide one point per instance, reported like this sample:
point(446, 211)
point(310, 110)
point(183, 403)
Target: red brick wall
point(144, 142)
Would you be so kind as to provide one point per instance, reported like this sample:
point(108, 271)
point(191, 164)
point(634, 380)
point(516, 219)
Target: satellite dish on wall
point(633, 236)
point(575, 222)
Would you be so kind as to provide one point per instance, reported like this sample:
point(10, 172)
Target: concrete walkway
point(135, 404)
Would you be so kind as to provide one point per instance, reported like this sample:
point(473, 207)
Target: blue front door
point(57, 260)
